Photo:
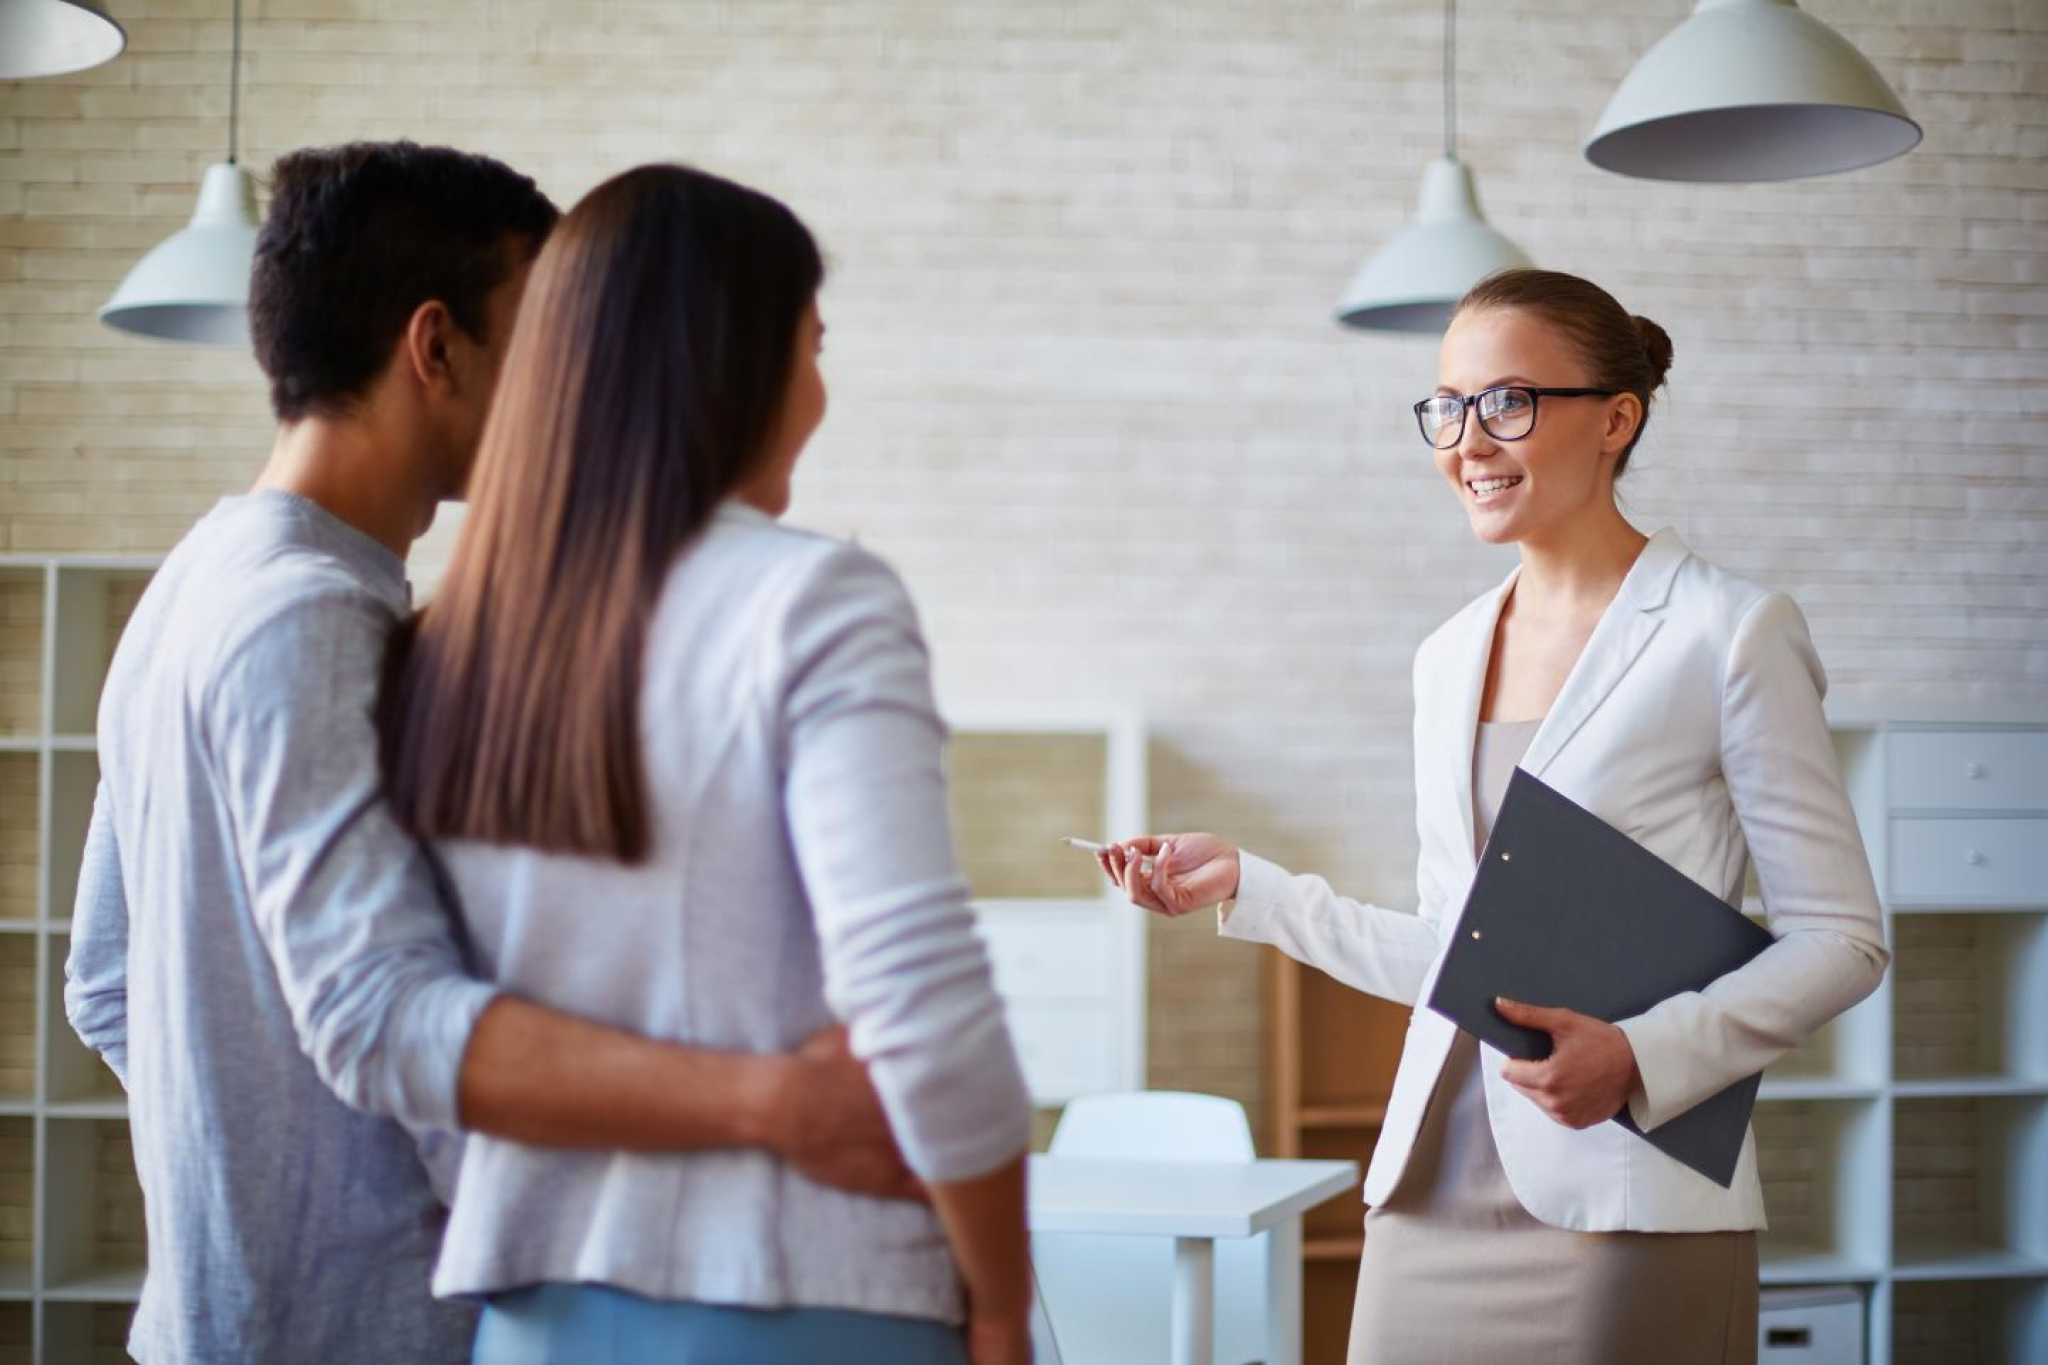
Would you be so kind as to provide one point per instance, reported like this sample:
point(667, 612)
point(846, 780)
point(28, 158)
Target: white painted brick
point(1086, 390)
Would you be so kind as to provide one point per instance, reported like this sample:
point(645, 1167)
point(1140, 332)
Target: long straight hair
point(644, 382)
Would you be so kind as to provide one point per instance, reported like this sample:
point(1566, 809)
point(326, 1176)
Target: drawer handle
point(1974, 858)
point(1973, 770)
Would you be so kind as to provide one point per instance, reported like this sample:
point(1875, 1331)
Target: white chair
point(1110, 1297)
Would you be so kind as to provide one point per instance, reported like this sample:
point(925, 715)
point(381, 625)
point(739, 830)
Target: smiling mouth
point(1482, 488)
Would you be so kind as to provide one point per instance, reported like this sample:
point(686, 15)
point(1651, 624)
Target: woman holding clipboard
point(1682, 705)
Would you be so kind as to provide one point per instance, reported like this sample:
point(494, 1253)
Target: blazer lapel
point(1626, 627)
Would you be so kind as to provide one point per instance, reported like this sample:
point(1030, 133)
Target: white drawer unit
point(1970, 862)
point(1969, 769)
point(1055, 952)
point(1925, 1179)
point(1067, 1049)
point(1820, 1326)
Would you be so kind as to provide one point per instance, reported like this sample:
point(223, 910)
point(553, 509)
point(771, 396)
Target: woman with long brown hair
point(683, 767)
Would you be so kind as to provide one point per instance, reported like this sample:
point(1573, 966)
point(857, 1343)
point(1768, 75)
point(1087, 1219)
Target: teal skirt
point(594, 1324)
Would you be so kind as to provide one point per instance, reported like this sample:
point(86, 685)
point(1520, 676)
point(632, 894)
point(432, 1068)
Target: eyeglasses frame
point(1468, 400)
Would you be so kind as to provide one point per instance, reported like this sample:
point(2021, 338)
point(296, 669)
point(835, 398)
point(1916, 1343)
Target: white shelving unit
point(1905, 1149)
point(71, 1237)
point(1069, 957)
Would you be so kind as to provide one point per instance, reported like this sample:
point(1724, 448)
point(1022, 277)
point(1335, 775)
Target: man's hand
point(1589, 1074)
point(825, 1120)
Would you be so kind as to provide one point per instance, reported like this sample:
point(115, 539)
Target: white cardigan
point(1692, 722)
point(802, 870)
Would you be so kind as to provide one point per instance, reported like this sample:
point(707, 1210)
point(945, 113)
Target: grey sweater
point(243, 897)
point(802, 869)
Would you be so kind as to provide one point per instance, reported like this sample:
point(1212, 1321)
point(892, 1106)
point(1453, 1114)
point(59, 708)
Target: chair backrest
point(1110, 1297)
point(1167, 1125)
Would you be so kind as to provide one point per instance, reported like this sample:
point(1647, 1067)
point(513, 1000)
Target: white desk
point(1195, 1203)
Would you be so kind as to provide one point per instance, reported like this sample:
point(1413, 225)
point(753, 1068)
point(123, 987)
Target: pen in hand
point(1144, 863)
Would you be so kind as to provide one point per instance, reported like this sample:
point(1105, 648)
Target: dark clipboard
point(1568, 911)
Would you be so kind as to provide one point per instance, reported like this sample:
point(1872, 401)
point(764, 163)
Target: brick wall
point(1085, 389)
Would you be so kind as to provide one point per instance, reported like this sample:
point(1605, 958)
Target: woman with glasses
point(1510, 1220)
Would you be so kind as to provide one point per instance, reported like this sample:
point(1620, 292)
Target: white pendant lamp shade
point(1412, 283)
point(55, 38)
point(1750, 90)
point(195, 285)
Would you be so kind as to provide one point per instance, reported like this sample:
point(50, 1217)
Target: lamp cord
point(235, 88)
point(1450, 79)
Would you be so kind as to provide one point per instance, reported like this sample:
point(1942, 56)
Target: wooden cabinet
point(1331, 1054)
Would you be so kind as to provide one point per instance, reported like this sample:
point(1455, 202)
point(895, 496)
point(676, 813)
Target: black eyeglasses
point(1507, 413)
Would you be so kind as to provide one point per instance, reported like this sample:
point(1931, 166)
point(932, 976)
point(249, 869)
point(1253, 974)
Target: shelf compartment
point(1970, 1186)
point(1967, 999)
point(1816, 1159)
point(1341, 1217)
point(17, 1017)
point(17, 1335)
point(1014, 796)
point(1327, 1289)
point(20, 835)
point(1845, 1055)
point(77, 1074)
point(1359, 1040)
point(74, 780)
point(17, 1203)
point(21, 652)
point(95, 1250)
point(87, 1333)
point(94, 604)
point(1985, 1322)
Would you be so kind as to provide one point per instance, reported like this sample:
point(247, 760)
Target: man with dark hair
point(253, 929)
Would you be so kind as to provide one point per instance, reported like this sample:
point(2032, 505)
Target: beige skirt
point(1457, 1272)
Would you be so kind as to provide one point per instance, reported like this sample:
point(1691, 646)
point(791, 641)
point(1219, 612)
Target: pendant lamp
point(194, 286)
point(1412, 283)
point(55, 38)
point(1750, 90)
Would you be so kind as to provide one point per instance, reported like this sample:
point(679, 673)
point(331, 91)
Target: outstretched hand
point(1173, 875)
point(1589, 1074)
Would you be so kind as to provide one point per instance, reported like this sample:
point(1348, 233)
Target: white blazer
point(1693, 723)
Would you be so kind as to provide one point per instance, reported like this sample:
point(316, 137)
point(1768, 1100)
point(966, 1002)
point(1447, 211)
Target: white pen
point(1144, 862)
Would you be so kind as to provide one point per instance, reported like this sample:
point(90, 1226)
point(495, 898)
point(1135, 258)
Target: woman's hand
point(998, 1343)
point(1186, 872)
point(1589, 1074)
